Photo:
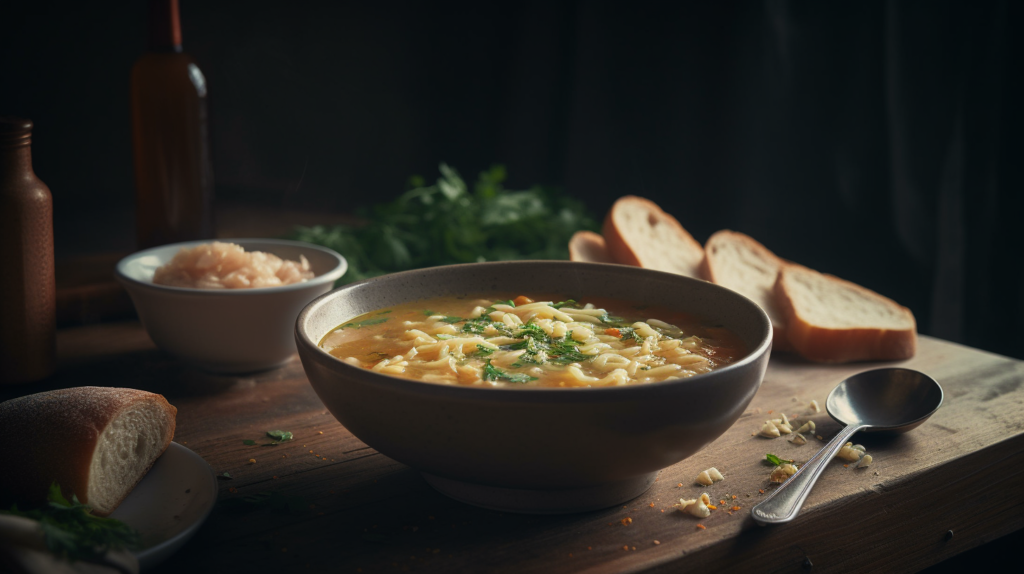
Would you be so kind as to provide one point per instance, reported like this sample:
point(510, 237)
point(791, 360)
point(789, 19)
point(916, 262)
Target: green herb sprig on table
point(448, 222)
point(774, 460)
point(73, 533)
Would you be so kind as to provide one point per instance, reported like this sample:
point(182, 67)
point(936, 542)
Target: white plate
point(170, 503)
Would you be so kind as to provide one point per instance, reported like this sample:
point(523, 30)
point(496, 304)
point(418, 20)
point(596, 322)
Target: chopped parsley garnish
point(428, 313)
point(366, 323)
point(628, 333)
point(492, 373)
point(569, 303)
point(484, 350)
point(73, 533)
point(541, 348)
point(384, 312)
point(479, 325)
point(444, 337)
point(613, 321)
point(452, 319)
point(508, 302)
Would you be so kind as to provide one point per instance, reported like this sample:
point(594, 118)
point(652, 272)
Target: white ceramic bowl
point(227, 330)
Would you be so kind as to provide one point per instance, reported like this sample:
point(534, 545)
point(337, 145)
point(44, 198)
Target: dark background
point(878, 141)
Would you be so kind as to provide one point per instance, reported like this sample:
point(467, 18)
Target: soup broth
point(521, 342)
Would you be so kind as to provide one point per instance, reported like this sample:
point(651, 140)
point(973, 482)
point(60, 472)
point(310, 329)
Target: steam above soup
point(522, 342)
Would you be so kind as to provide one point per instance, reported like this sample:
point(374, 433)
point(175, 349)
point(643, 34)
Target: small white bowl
point(227, 330)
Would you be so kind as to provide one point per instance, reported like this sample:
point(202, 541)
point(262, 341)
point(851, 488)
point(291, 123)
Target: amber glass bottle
point(173, 176)
point(28, 304)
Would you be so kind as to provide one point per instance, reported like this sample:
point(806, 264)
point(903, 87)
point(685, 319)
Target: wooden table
point(354, 510)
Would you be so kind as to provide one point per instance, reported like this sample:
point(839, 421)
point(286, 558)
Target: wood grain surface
point(340, 506)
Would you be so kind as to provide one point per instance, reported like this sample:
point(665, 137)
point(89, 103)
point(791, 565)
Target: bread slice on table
point(738, 262)
point(95, 442)
point(637, 232)
point(588, 247)
point(833, 321)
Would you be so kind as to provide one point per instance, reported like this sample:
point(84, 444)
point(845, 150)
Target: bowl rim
point(332, 275)
point(530, 394)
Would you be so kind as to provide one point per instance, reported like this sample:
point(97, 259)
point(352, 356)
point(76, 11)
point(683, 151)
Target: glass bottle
point(173, 176)
point(28, 300)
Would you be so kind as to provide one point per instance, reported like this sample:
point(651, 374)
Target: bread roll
point(637, 232)
point(831, 320)
point(740, 263)
point(96, 442)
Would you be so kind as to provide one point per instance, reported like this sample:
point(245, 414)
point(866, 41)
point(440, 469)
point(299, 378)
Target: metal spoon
point(892, 400)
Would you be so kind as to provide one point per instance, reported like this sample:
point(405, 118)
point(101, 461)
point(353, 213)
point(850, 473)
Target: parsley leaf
point(484, 350)
point(248, 442)
point(452, 319)
point(775, 460)
point(571, 303)
point(492, 373)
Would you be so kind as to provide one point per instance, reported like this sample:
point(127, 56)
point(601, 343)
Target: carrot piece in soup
point(522, 300)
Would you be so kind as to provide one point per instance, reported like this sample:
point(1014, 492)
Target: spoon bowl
point(893, 400)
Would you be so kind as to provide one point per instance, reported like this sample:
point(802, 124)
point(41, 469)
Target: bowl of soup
point(227, 306)
point(535, 386)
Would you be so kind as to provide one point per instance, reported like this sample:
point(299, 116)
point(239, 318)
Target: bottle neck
point(16, 162)
point(164, 26)
point(15, 147)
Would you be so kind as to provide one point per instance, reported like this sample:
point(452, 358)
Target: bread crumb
point(849, 453)
point(252, 461)
point(709, 477)
point(782, 472)
point(656, 542)
point(702, 527)
point(770, 430)
point(697, 507)
point(626, 521)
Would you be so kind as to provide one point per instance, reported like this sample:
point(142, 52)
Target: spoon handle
point(783, 504)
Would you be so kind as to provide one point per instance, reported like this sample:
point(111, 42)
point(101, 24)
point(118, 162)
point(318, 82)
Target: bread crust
point(52, 436)
point(710, 270)
point(588, 247)
point(830, 345)
point(623, 247)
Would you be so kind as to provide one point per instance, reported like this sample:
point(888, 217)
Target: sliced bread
point(637, 232)
point(740, 263)
point(831, 320)
point(588, 247)
point(95, 442)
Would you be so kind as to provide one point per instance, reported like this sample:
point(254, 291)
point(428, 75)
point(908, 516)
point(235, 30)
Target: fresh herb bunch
point(448, 223)
point(73, 533)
